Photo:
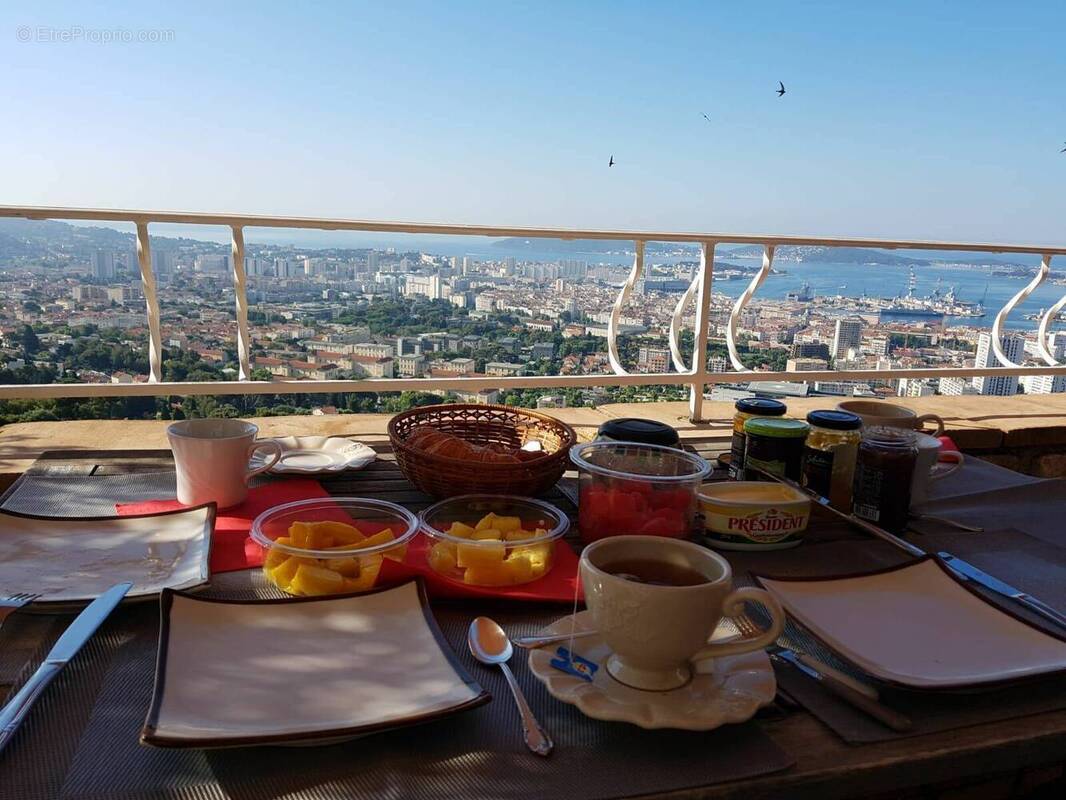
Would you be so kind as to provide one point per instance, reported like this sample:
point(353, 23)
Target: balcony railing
point(695, 375)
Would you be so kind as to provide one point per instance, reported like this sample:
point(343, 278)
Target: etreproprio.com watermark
point(46, 34)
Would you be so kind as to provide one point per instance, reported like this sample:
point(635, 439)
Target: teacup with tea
point(656, 601)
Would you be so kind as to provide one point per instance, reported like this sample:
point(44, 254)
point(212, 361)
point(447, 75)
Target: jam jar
point(883, 471)
point(747, 408)
point(774, 445)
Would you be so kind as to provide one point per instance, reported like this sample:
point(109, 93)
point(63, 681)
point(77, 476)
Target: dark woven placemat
point(80, 742)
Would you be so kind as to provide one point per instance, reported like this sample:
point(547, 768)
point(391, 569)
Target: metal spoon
point(490, 645)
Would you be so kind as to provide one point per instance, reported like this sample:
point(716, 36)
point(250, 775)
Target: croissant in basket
point(430, 440)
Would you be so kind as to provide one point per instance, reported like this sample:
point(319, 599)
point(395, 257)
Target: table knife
point(882, 713)
point(65, 648)
point(968, 572)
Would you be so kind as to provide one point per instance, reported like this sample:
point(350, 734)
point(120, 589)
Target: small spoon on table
point(490, 645)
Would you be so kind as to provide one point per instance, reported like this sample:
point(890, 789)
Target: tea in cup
point(878, 412)
point(656, 601)
point(925, 467)
point(211, 459)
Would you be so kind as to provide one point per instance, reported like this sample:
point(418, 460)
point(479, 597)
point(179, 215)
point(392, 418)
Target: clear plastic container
point(331, 545)
point(492, 540)
point(631, 488)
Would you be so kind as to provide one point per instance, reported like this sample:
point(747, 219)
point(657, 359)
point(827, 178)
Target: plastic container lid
point(835, 420)
point(649, 463)
point(634, 429)
point(761, 406)
point(777, 428)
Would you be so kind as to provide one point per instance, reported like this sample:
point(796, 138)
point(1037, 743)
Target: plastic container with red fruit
point(630, 488)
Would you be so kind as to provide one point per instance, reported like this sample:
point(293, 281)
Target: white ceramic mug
point(878, 412)
point(211, 459)
point(925, 468)
point(656, 631)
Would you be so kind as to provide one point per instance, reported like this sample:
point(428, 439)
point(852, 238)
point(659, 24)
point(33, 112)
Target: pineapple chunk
point(504, 524)
point(521, 566)
point(518, 535)
point(498, 574)
point(461, 530)
point(487, 521)
point(442, 557)
point(483, 553)
point(396, 554)
point(488, 534)
point(540, 556)
point(316, 581)
point(368, 575)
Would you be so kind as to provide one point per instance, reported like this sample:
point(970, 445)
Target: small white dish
point(71, 560)
point(301, 671)
point(311, 455)
point(722, 690)
point(916, 626)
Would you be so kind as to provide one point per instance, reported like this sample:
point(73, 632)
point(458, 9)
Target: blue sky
point(902, 119)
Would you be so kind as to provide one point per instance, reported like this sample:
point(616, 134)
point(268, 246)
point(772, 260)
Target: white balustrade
point(614, 323)
point(741, 303)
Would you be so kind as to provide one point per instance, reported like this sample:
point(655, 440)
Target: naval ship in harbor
point(936, 304)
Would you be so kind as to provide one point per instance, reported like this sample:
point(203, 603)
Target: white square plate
point(297, 671)
point(71, 560)
point(917, 627)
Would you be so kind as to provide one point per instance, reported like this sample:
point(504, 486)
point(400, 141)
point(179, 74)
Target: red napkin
point(232, 548)
point(946, 444)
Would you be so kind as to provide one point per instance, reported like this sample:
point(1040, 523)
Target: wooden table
point(995, 760)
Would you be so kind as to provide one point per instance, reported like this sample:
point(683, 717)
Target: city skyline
point(905, 121)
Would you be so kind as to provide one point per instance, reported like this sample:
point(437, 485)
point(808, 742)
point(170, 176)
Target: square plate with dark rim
point(301, 670)
point(69, 561)
point(916, 626)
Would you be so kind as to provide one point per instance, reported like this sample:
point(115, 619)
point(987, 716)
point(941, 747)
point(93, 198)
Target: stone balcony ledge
point(1024, 432)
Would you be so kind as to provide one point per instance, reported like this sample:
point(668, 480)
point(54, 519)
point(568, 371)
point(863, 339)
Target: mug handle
point(733, 606)
point(270, 444)
point(930, 418)
point(955, 458)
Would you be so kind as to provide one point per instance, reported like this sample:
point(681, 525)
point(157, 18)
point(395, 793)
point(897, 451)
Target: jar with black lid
point(634, 429)
point(883, 472)
point(829, 455)
point(747, 408)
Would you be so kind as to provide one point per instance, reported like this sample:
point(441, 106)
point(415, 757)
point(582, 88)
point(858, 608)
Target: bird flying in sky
point(706, 118)
point(611, 162)
point(781, 91)
point(1063, 150)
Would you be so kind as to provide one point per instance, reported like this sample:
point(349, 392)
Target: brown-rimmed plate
point(301, 671)
point(916, 626)
point(69, 561)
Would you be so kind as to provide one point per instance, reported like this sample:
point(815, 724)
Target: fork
point(749, 628)
point(13, 603)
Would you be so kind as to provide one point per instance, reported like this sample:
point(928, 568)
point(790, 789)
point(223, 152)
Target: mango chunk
point(276, 555)
point(540, 556)
point(300, 534)
point(396, 554)
point(368, 574)
point(461, 530)
point(483, 553)
point(487, 521)
point(342, 532)
point(488, 534)
point(518, 535)
point(283, 573)
point(348, 567)
point(504, 524)
point(313, 581)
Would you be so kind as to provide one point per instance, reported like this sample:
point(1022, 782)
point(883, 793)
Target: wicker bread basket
point(445, 476)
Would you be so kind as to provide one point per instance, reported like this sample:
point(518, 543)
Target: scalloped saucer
point(723, 690)
point(310, 455)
